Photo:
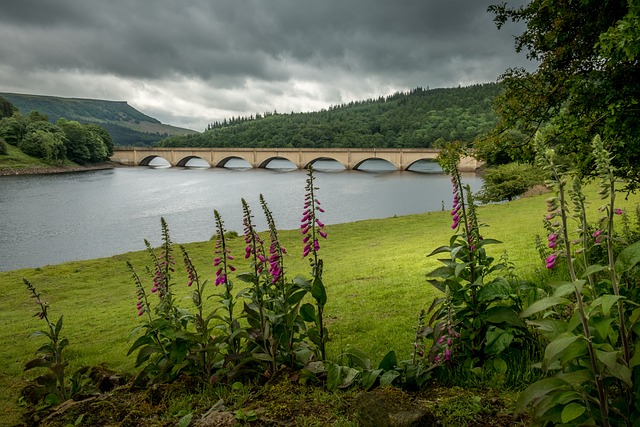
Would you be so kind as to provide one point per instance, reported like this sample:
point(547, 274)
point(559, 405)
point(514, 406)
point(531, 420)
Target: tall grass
point(374, 274)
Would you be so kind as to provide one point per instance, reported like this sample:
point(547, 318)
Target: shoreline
point(56, 169)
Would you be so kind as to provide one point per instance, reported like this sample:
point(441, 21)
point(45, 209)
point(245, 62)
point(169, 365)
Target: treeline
point(65, 140)
point(413, 119)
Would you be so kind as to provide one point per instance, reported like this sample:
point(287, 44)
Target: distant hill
point(418, 118)
point(126, 125)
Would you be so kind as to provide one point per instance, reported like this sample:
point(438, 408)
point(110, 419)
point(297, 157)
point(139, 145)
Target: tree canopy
point(587, 82)
point(417, 118)
point(36, 136)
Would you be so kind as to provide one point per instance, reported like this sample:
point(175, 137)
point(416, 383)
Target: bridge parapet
point(350, 158)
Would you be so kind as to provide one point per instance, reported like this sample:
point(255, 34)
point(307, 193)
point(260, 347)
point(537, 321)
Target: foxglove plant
point(312, 230)
point(166, 344)
point(51, 353)
point(205, 353)
point(224, 267)
point(259, 306)
point(276, 251)
point(163, 267)
point(474, 317)
point(288, 326)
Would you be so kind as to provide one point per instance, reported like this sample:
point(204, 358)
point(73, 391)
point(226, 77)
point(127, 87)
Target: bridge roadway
point(350, 158)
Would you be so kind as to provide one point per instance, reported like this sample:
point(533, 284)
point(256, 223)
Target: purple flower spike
point(551, 260)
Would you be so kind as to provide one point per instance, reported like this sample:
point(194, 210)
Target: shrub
point(506, 182)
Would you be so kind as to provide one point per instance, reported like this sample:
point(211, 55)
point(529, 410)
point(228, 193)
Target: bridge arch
point(324, 158)
point(183, 162)
point(147, 160)
point(358, 165)
point(223, 163)
point(434, 166)
point(268, 160)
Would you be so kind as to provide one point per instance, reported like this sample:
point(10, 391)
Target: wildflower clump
point(475, 313)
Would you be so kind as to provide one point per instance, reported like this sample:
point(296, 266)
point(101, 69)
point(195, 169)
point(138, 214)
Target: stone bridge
point(350, 158)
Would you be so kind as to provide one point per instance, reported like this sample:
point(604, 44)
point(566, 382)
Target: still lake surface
point(50, 219)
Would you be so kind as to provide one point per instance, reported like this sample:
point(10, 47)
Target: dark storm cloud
point(302, 53)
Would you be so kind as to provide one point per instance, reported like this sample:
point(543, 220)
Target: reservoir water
point(50, 219)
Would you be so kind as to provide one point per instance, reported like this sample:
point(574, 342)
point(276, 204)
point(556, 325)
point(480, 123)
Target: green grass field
point(374, 272)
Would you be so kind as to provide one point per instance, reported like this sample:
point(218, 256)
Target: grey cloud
point(254, 44)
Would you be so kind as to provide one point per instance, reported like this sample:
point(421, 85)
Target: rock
point(217, 419)
point(390, 408)
point(412, 418)
point(371, 411)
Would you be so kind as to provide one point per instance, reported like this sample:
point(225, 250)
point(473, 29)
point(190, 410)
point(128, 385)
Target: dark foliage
point(418, 118)
point(6, 108)
point(587, 83)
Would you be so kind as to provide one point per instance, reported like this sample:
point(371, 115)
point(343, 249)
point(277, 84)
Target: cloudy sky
point(191, 62)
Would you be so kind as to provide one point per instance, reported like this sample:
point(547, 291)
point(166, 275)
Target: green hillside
point(418, 118)
point(126, 125)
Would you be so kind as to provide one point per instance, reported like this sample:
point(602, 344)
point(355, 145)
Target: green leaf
point(593, 269)
point(602, 326)
point(349, 375)
point(440, 250)
point(572, 411)
point(490, 241)
point(577, 378)
point(635, 359)
point(543, 304)
point(308, 312)
point(58, 327)
point(628, 258)
point(143, 340)
point(369, 378)
point(550, 328)
point(499, 365)
point(537, 391)
point(497, 341)
point(358, 358)
point(318, 292)
point(39, 334)
point(145, 353)
point(388, 377)
point(186, 420)
point(63, 343)
point(460, 268)
point(389, 361)
point(561, 348)
point(334, 376)
point(38, 362)
point(296, 297)
point(496, 290)
point(607, 302)
point(623, 373)
point(247, 277)
point(564, 289)
point(609, 358)
point(503, 314)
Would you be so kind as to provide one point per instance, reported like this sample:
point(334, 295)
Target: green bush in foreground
point(590, 318)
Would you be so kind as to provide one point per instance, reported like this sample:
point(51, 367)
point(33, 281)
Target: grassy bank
point(374, 273)
point(18, 163)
